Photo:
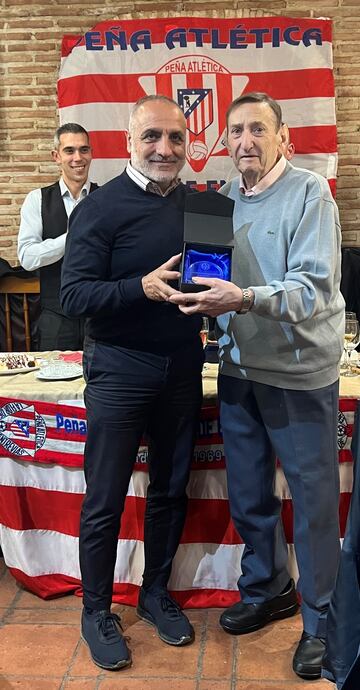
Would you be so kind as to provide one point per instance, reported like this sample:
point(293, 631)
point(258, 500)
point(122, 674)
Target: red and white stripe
point(98, 88)
point(40, 543)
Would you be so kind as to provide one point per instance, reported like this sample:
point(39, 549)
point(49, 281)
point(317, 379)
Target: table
point(42, 436)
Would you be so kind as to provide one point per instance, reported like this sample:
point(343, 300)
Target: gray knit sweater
point(287, 249)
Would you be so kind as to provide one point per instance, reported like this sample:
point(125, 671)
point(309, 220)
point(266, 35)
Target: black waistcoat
point(54, 222)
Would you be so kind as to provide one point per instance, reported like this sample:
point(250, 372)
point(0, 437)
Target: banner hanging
point(203, 64)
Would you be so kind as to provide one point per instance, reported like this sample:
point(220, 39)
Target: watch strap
point(247, 301)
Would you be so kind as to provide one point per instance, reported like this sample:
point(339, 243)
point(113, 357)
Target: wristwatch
point(248, 300)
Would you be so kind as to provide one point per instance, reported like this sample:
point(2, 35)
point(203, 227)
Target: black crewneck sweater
point(116, 236)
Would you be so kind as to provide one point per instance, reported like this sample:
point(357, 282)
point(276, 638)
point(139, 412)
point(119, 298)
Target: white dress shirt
point(33, 251)
point(149, 185)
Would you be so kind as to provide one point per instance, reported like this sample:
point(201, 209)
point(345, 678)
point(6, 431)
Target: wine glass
point(350, 315)
point(204, 331)
point(351, 340)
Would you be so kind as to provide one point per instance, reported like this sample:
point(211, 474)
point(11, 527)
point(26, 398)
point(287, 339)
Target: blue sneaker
point(158, 609)
point(102, 632)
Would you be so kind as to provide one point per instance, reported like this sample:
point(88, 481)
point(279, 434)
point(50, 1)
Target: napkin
point(75, 357)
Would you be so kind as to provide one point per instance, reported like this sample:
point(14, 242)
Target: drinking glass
point(351, 340)
point(204, 331)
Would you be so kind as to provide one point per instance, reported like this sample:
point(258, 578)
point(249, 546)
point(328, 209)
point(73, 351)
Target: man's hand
point(155, 283)
point(223, 296)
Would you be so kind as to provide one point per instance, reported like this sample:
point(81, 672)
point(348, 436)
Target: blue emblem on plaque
point(206, 264)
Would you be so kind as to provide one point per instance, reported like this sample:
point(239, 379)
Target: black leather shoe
point(308, 657)
point(244, 618)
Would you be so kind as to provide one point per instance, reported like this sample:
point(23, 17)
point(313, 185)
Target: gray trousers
point(259, 423)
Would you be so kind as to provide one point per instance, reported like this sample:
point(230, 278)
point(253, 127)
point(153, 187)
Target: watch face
point(202, 262)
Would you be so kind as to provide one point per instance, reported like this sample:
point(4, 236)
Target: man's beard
point(150, 171)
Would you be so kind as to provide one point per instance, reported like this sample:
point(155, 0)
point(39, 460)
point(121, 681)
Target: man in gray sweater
point(280, 328)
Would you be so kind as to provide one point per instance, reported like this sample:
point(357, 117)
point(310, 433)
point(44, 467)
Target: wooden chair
point(11, 285)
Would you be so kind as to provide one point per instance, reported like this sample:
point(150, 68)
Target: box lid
point(208, 219)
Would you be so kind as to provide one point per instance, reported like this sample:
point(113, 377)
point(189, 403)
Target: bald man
point(142, 364)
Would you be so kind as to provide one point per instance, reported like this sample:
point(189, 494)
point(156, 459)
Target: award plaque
point(208, 239)
point(201, 261)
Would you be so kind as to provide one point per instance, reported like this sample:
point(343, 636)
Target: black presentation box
point(208, 239)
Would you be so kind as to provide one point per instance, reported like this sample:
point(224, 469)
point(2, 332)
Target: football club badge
point(22, 429)
point(203, 88)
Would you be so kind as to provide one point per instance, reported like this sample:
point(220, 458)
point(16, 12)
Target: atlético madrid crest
point(22, 429)
point(203, 88)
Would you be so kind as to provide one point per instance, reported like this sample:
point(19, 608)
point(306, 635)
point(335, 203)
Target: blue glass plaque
point(206, 262)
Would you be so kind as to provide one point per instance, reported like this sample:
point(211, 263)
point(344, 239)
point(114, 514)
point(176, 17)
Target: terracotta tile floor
point(40, 649)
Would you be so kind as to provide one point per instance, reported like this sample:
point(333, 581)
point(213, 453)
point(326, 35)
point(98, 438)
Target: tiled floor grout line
point(40, 676)
point(2, 577)
point(235, 649)
point(257, 683)
point(98, 682)
point(202, 645)
point(234, 661)
point(13, 601)
point(12, 606)
point(67, 674)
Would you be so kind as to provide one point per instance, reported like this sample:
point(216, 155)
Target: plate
point(59, 372)
point(210, 370)
point(20, 370)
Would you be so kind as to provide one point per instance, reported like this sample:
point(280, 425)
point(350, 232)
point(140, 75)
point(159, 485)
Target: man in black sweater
point(142, 364)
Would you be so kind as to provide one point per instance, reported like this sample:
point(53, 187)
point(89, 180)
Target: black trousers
point(128, 393)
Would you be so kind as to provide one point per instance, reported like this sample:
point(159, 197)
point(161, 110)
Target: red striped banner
point(56, 433)
point(42, 486)
point(203, 64)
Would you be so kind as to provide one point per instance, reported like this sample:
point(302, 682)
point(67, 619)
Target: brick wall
point(29, 62)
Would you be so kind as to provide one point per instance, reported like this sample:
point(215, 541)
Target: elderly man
point(142, 363)
point(280, 340)
point(42, 234)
